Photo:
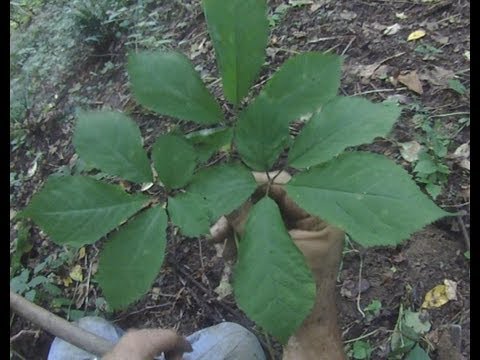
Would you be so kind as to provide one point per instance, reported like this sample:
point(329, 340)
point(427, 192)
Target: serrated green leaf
point(78, 210)
point(208, 141)
point(342, 122)
point(190, 213)
point(370, 197)
point(240, 53)
point(302, 84)
point(225, 187)
point(167, 83)
point(417, 353)
point(111, 142)
point(260, 136)
point(269, 260)
point(174, 160)
point(132, 258)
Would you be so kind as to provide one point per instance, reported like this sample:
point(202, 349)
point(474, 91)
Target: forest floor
point(54, 73)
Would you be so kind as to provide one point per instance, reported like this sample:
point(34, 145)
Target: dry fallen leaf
point(411, 81)
point(81, 253)
point(467, 55)
point(438, 76)
point(67, 281)
point(224, 288)
point(401, 16)
point(392, 29)
point(440, 295)
point(33, 169)
point(410, 150)
point(465, 163)
point(418, 34)
point(76, 273)
point(463, 151)
point(348, 15)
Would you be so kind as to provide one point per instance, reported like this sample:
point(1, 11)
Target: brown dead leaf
point(392, 29)
point(410, 150)
point(374, 71)
point(348, 15)
point(411, 81)
point(462, 152)
point(465, 163)
point(438, 76)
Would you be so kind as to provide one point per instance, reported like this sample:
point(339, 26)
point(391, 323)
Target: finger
point(147, 343)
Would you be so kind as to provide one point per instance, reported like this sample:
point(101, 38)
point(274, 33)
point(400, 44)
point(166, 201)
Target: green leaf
point(302, 85)
point(361, 350)
point(259, 135)
point(239, 32)
point(112, 142)
point(343, 122)
point(417, 353)
point(190, 213)
point(367, 195)
point(132, 258)
point(174, 159)
point(269, 260)
point(78, 210)
point(225, 187)
point(167, 83)
point(457, 86)
point(208, 141)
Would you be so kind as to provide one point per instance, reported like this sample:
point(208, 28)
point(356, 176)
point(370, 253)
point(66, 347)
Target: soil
point(183, 296)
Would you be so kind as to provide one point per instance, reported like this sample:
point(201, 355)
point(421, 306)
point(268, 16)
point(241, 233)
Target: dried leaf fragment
point(76, 273)
point(411, 81)
point(410, 150)
point(418, 34)
point(440, 295)
point(392, 29)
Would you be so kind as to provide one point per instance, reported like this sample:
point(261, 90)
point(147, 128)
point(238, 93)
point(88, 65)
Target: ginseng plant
point(367, 195)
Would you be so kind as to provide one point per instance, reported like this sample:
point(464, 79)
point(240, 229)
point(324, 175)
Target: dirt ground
point(183, 296)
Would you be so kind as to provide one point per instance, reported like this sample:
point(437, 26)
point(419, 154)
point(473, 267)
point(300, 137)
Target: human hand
point(145, 344)
point(321, 244)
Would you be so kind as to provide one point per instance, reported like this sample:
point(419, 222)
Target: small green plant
point(101, 21)
point(375, 201)
point(410, 328)
point(360, 350)
point(427, 51)
point(430, 169)
point(457, 86)
point(373, 309)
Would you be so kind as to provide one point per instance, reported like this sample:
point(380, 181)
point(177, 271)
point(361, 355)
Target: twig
point(140, 311)
point(378, 91)
point(220, 303)
point(360, 285)
point(450, 114)
point(348, 45)
point(313, 41)
point(59, 327)
point(23, 332)
point(464, 231)
point(200, 254)
point(17, 354)
point(390, 58)
point(362, 336)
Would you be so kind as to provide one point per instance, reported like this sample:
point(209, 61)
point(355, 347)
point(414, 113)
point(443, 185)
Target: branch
point(59, 327)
